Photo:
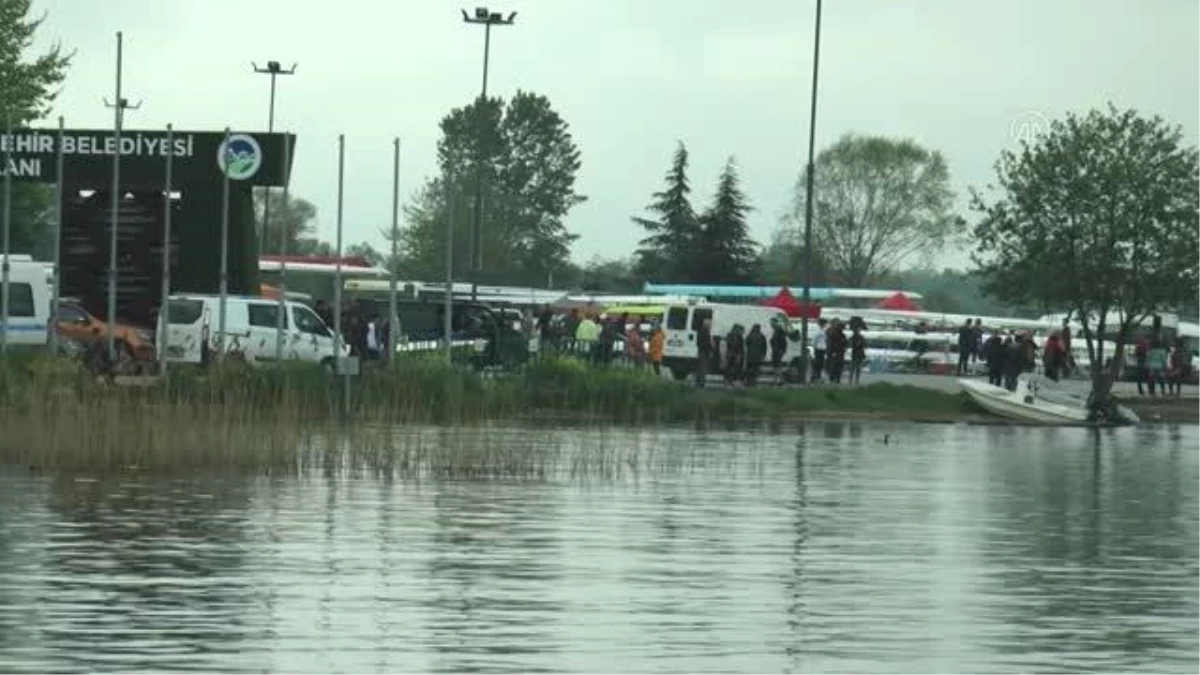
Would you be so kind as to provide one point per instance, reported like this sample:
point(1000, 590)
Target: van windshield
point(184, 311)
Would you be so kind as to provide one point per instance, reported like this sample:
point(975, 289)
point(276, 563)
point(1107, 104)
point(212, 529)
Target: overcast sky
point(631, 77)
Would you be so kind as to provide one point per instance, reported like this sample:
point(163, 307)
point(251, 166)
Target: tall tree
point(367, 252)
point(726, 252)
point(878, 202)
point(28, 86)
point(782, 257)
point(669, 251)
point(294, 221)
point(529, 162)
point(1099, 216)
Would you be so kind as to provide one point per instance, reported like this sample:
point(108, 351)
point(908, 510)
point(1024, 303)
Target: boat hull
point(1023, 404)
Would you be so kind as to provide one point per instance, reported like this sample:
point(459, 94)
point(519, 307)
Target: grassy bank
point(54, 415)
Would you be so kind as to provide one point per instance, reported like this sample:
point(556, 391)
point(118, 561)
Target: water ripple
point(816, 548)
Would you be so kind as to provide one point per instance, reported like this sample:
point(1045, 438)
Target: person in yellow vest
point(657, 338)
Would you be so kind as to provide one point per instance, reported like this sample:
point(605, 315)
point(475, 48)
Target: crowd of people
point(1157, 364)
point(829, 347)
point(839, 350)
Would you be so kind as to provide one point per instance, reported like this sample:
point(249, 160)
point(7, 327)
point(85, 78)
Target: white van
point(683, 320)
point(28, 302)
point(193, 320)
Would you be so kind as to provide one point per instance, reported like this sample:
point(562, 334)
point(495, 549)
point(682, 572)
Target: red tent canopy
point(899, 302)
point(785, 301)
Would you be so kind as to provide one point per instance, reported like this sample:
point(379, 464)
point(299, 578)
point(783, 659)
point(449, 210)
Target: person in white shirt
point(373, 348)
point(819, 342)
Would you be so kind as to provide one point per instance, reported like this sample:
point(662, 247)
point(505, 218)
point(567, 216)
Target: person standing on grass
point(657, 338)
point(1052, 356)
point(779, 340)
point(820, 341)
point(372, 338)
point(1140, 350)
point(734, 354)
point(858, 354)
point(835, 354)
point(756, 353)
point(1172, 372)
point(1068, 363)
point(977, 341)
point(966, 337)
point(635, 348)
point(1156, 363)
point(547, 344)
point(704, 352)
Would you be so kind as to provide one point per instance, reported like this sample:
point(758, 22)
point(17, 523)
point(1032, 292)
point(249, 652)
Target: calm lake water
point(815, 547)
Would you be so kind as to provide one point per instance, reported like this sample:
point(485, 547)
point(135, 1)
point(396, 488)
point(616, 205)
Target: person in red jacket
point(1053, 356)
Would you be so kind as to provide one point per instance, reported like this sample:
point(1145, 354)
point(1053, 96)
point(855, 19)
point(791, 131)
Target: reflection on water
point(813, 548)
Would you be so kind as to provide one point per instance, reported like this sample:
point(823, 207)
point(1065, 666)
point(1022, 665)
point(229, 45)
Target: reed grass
point(287, 419)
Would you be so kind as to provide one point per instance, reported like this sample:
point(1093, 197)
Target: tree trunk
point(1101, 404)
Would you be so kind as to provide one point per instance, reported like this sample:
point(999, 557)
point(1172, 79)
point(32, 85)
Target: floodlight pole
point(274, 69)
point(223, 288)
point(487, 19)
point(393, 318)
point(163, 307)
point(808, 202)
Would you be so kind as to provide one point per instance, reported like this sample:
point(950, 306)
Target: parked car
point(134, 346)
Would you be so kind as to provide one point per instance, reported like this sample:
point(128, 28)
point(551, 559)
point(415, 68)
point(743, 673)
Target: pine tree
point(727, 253)
point(669, 252)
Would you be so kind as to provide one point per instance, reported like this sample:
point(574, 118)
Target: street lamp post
point(274, 69)
point(487, 19)
point(808, 199)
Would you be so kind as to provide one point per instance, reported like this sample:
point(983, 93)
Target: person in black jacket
point(779, 340)
point(966, 336)
point(858, 354)
point(993, 355)
point(704, 352)
point(1012, 362)
point(756, 353)
point(835, 354)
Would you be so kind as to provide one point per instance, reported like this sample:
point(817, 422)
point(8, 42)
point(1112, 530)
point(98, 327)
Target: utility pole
point(487, 19)
point(7, 226)
point(119, 106)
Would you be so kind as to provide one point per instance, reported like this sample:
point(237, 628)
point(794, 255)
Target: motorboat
point(1036, 400)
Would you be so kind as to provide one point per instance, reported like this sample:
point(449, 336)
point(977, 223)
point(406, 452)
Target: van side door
point(679, 341)
point(184, 327)
point(316, 339)
point(263, 318)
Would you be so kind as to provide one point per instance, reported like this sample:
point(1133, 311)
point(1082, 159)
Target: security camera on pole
point(487, 20)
